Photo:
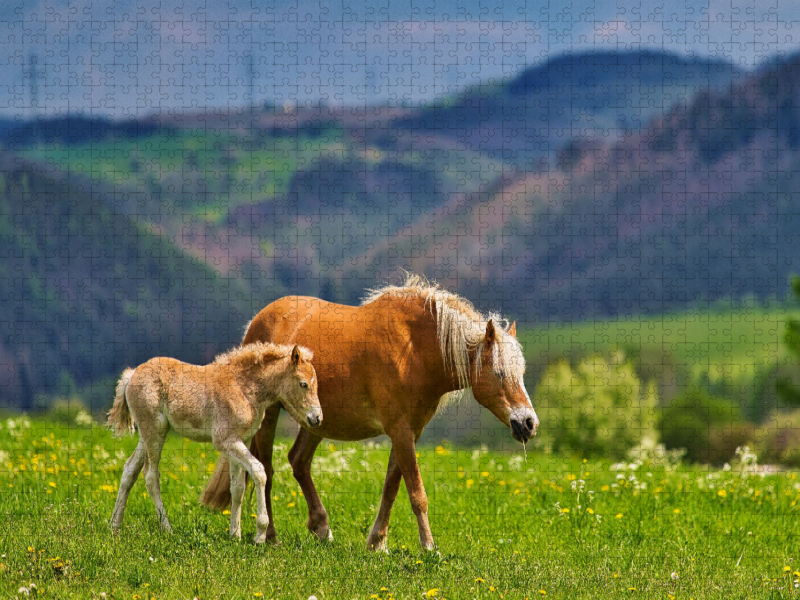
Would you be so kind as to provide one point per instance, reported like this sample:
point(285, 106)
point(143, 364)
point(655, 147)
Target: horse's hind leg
point(129, 475)
point(380, 529)
point(152, 478)
point(238, 485)
point(261, 447)
point(238, 453)
point(300, 456)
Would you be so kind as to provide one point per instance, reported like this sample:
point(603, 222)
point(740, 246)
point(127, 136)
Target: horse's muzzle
point(314, 418)
point(524, 424)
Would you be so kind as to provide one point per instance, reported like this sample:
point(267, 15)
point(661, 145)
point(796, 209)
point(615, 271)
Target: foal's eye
point(303, 384)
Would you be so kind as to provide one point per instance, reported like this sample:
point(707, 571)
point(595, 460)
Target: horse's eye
point(303, 384)
point(501, 374)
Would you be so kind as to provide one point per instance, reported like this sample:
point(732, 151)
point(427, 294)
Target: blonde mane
point(460, 329)
point(252, 354)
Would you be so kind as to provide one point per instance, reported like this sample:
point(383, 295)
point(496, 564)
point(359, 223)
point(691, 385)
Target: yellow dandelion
point(291, 504)
point(258, 594)
point(51, 483)
point(618, 516)
point(543, 593)
point(31, 549)
point(137, 597)
point(432, 592)
point(479, 580)
point(590, 511)
point(722, 493)
point(787, 569)
point(604, 488)
point(226, 512)
point(564, 511)
point(631, 589)
point(677, 511)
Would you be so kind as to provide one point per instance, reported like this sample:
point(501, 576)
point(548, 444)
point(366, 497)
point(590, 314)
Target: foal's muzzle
point(524, 424)
point(314, 418)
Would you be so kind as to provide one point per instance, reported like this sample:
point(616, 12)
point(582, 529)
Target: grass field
point(551, 527)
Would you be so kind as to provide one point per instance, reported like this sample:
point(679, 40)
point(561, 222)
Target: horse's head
point(498, 368)
point(299, 389)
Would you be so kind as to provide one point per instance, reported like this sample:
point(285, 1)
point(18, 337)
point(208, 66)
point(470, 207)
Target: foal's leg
point(380, 528)
point(238, 453)
point(152, 478)
point(129, 475)
point(261, 447)
point(238, 485)
point(300, 456)
point(404, 450)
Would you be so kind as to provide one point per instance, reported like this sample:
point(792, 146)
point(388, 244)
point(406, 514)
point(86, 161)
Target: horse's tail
point(120, 419)
point(217, 494)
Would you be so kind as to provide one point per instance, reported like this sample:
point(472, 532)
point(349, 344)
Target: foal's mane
point(460, 328)
point(250, 355)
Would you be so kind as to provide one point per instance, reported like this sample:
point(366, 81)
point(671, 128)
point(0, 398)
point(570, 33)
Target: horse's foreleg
point(261, 447)
point(238, 453)
point(377, 535)
point(300, 456)
point(404, 450)
point(130, 473)
point(238, 485)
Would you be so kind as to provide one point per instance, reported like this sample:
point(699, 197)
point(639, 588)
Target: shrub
point(597, 407)
point(778, 439)
point(707, 426)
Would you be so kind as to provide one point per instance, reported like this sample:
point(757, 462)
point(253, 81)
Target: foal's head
point(497, 374)
point(296, 387)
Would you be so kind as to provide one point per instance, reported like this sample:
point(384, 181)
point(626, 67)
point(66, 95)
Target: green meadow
point(506, 526)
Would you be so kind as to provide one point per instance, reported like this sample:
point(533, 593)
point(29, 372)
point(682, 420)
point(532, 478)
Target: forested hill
point(121, 241)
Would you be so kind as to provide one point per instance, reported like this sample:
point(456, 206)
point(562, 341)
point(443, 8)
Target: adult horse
point(384, 367)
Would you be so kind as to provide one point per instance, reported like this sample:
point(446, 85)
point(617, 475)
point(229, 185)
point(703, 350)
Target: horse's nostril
point(529, 423)
point(313, 420)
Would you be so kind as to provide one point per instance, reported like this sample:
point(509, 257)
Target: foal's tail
point(120, 419)
point(217, 495)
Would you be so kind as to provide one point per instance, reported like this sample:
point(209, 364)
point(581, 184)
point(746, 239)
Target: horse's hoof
point(324, 537)
point(378, 546)
point(258, 540)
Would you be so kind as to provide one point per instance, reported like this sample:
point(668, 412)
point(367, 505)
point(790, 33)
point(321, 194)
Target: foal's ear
point(296, 354)
point(490, 332)
point(513, 329)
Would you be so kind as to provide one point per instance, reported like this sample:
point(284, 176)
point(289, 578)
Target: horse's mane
point(257, 352)
point(460, 328)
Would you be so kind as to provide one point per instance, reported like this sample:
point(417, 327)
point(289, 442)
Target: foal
point(223, 403)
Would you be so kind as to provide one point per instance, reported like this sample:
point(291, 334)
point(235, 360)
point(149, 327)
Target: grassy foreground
point(550, 528)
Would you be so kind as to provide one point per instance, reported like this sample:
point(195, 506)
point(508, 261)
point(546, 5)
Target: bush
point(778, 439)
point(708, 427)
point(597, 407)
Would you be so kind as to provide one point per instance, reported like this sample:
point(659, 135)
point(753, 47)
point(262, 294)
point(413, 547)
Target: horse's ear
point(296, 354)
point(513, 329)
point(490, 332)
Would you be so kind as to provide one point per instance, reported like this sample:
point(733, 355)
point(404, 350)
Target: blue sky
point(130, 58)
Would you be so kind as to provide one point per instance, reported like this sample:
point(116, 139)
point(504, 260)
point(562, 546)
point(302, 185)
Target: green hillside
point(88, 289)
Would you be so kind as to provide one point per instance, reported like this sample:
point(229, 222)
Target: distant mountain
point(700, 205)
point(115, 246)
point(595, 93)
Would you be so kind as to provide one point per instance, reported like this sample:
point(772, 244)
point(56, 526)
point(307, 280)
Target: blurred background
point(616, 177)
